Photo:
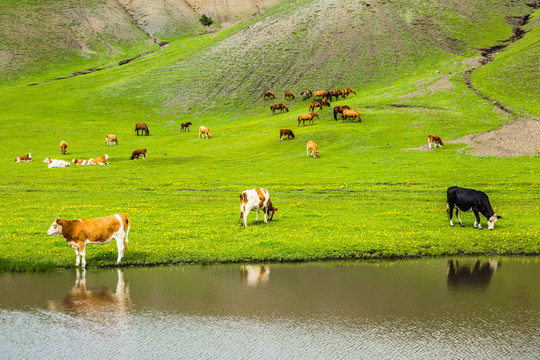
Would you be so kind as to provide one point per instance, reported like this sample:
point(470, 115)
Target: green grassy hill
point(366, 196)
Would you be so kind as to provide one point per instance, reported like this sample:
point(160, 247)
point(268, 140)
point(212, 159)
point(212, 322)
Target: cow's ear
point(58, 219)
point(498, 216)
point(273, 208)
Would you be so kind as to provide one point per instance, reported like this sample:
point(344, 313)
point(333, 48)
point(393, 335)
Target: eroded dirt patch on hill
point(520, 137)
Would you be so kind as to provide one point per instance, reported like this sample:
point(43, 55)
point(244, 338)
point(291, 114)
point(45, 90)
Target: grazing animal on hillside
point(80, 162)
point(24, 158)
point(435, 140)
point(306, 94)
point(142, 127)
point(102, 230)
point(137, 153)
point(279, 107)
point(347, 92)
point(102, 160)
point(309, 117)
point(268, 95)
point(315, 104)
point(256, 199)
point(203, 130)
point(63, 147)
point(185, 126)
point(312, 148)
point(321, 93)
point(339, 110)
point(332, 93)
point(286, 132)
point(54, 163)
point(470, 200)
point(324, 102)
point(288, 96)
point(349, 113)
point(110, 139)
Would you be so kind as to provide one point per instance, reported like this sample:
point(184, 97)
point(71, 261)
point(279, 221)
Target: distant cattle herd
point(103, 230)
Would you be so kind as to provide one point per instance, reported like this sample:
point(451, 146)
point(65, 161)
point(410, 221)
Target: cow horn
point(58, 219)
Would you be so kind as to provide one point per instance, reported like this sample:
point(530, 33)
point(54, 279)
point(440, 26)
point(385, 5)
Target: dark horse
point(142, 127)
point(339, 110)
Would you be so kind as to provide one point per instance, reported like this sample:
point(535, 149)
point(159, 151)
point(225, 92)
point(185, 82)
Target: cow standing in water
point(101, 231)
point(470, 200)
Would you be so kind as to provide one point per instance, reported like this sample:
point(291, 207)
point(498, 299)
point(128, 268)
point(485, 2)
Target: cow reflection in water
point(477, 274)
point(97, 304)
point(255, 275)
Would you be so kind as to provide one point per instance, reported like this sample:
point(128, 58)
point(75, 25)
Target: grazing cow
point(315, 104)
point(332, 93)
point(435, 140)
point(321, 93)
point(353, 114)
point(256, 199)
point(102, 230)
point(63, 147)
point(102, 160)
point(137, 153)
point(305, 94)
point(185, 126)
point(53, 163)
point(288, 96)
point(110, 139)
point(347, 92)
point(286, 132)
point(80, 162)
point(279, 107)
point(339, 110)
point(312, 148)
point(203, 130)
point(142, 127)
point(470, 200)
point(269, 95)
point(309, 117)
point(24, 158)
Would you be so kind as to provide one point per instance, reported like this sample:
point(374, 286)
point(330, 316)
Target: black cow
point(470, 200)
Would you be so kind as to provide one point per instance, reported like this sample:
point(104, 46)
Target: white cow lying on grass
point(54, 163)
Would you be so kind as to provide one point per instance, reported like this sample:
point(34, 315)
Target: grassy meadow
point(366, 196)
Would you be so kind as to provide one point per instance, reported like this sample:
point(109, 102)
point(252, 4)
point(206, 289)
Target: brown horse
point(279, 107)
point(305, 94)
point(339, 110)
point(269, 95)
point(309, 117)
point(286, 132)
point(347, 92)
point(142, 127)
point(288, 96)
point(332, 93)
point(321, 93)
point(314, 105)
point(348, 113)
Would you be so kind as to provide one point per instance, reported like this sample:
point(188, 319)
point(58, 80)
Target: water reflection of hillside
point(466, 274)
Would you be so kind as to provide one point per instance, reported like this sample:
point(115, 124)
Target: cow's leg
point(257, 216)
point(449, 212)
point(78, 257)
point(477, 220)
point(82, 251)
point(265, 211)
point(246, 212)
point(458, 215)
point(120, 246)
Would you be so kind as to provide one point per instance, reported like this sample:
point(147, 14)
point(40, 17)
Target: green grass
point(366, 196)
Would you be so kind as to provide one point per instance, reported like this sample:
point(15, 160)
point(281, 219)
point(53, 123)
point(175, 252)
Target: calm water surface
point(485, 308)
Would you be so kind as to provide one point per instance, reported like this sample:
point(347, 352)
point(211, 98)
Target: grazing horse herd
point(78, 233)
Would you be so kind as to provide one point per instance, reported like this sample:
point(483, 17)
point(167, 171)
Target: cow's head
point(56, 227)
point(29, 156)
point(492, 220)
point(316, 154)
point(271, 210)
point(47, 161)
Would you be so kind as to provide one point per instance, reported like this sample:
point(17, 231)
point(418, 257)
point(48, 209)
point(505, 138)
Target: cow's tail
point(127, 224)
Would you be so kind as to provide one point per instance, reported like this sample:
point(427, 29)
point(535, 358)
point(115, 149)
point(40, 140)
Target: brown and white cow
point(102, 160)
point(63, 147)
point(80, 162)
point(435, 140)
point(286, 132)
point(55, 163)
point(24, 158)
point(110, 139)
point(312, 148)
point(204, 131)
point(102, 230)
point(137, 153)
point(256, 199)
